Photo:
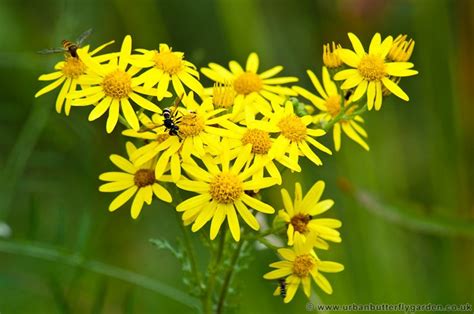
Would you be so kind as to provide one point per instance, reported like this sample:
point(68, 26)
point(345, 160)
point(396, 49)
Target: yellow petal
point(375, 44)
point(129, 114)
point(247, 215)
point(370, 95)
point(257, 205)
point(137, 204)
point(122, 198)
point(125, 52)
point(162, 193)
point(50, 87)
point(252, 63)
point(358, 48)
point(217, 220)
point(349, 58)
point(395, 89)
point(233, 221)
point(113, 115)
point(360, 90)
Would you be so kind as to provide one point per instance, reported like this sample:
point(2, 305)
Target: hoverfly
point(69, 46)
point(282, 285)
point(170, 119)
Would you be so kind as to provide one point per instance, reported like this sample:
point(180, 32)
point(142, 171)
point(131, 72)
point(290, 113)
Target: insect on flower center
point(247, 83)
point(144, 177)
point(223, 95)
point(333, 105)
point(259, 139)
point(300, 222)
point(117, 84)
point(226, 188)
point(168, 61)
point(372, 68)
point(292, 128)
point(191, 125)
point(73, 67)
point(303, 264)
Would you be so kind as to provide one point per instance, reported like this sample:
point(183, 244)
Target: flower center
point(372, 68)
point(300, 222)
point(292, 128)
point(333, 105)
point(168, 61)
point(247, 83)
point(303, 264)
point(223, 95)
point(117, 84)
point(73, 67)
point(259, 139)
point(226, 188)
point(191, 125)
point(144, 177)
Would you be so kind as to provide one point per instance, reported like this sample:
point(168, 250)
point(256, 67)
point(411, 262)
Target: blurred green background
point(407, 233)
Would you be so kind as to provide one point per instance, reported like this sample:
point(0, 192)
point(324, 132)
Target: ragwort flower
point(300, 216)
point(329, 103)
point(299, 265)
point(371, 71)
point(133, 181)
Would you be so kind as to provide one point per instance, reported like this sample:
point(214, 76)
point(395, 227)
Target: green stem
point(55, 255)
point(124, 121)
point(216, 258)
point(267, 244)
point(266, 233)
point(228, 277)
point(189, 250)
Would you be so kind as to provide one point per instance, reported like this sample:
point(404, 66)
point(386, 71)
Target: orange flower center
point(333, 105)
point(292, 128)
point(259, 139)
point(117, 84)
point(73, 68)
point(303, 264)
point(247, 83)
point(168, 61)
point(372, 68)
point(144, 177)
point(191, 125)
point(226, 188)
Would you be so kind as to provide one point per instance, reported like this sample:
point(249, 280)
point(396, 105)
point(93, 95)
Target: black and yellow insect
point(282, 285)
point(170, 120)
point(68, 46)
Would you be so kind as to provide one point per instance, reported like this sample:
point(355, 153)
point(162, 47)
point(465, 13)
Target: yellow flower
point(371, 71)
point(330, 55)
point(112, 86)
point(197, 136)
point(138, 181)
point(165, 66)
point(222, 194)
point(67, 74)
point(294, 134)
point(299, 216)
point(299, 264)
point(330, 106)
point(223, 95)
point(401, 49)
point(262, 149)
point(250, 86)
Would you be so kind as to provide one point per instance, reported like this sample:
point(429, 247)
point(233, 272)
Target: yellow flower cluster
point(229, 141)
